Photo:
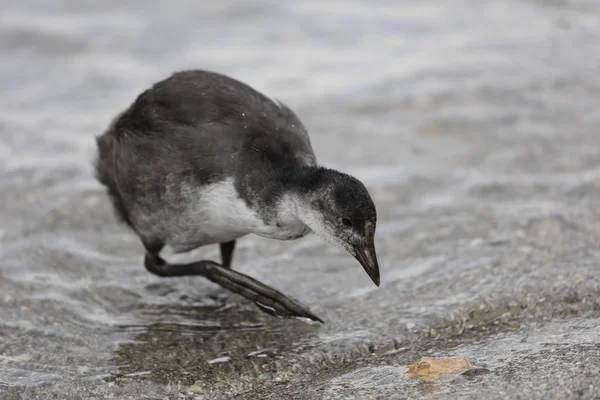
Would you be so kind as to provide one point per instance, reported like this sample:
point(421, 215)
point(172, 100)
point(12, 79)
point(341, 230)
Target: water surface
point(473, 123)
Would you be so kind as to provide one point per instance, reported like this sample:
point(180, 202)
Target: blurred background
point(474, 124)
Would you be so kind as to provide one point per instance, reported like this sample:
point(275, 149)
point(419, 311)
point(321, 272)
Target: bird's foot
point(266, 298)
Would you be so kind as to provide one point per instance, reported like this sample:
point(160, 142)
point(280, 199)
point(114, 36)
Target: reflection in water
point(174, 343)
point(472, 123)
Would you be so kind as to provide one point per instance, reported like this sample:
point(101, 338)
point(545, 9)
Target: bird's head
point(338, 208)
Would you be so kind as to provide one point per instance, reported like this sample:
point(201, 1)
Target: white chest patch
point(216, 214)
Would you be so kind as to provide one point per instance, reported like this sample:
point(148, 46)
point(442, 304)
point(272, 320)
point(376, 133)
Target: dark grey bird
point(200, 158)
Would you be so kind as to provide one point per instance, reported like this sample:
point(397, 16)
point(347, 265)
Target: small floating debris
point(263, 353)
point(141, 373)
point(432, 369)
point(220, 360)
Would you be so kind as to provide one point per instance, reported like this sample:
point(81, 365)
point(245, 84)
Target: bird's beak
point(366, 256)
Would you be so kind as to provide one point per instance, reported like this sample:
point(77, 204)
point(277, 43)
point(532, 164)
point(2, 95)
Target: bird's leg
point(266, 298)
point(227, 253)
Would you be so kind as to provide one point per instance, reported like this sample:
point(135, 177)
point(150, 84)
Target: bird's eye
point(347, 222)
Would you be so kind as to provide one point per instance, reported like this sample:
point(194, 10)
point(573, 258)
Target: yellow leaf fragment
point(433, 368)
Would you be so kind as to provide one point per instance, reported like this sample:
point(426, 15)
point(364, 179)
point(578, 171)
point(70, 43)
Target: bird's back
point(198, 97)
point(204, 119)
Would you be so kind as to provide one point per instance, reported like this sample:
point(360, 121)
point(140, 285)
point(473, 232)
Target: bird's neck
point(297, 202)
point(294, 218)
point(286, 202)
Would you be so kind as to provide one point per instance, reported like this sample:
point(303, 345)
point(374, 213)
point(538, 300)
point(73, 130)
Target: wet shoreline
point(473, 125)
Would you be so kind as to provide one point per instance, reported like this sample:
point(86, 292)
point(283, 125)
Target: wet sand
point(474, 124)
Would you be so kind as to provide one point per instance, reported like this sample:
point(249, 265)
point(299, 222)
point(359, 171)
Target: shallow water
point(474, 125)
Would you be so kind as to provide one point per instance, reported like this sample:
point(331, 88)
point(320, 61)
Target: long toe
point(266, 298)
